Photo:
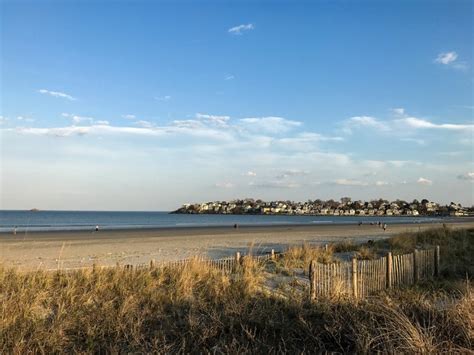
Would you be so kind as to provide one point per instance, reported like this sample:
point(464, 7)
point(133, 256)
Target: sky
point(146, 105)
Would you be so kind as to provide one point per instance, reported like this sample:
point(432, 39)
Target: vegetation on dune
point(199, 309)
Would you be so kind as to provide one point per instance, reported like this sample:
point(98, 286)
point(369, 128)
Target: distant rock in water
point(34, 210)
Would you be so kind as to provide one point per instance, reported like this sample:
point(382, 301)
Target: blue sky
point(146, 105)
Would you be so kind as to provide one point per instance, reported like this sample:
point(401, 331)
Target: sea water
point(106, 220)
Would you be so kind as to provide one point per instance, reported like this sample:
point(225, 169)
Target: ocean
point(31, 221)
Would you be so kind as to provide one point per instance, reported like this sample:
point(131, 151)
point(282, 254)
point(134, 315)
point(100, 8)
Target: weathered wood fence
point(227, 265)
point(361, 278)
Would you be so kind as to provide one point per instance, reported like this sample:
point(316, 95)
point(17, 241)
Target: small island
point(344, 207)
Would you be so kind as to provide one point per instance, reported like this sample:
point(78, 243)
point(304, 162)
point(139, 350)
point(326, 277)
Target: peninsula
point(344, 207)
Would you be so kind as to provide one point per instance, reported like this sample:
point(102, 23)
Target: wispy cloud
point(78, 119)
point(129, 117)
point(229, 77)
point(466, 176)
point(291, 173)
point(269, 124)
point(145, 124)
point(419, 123)
point(357, 122)
point(450, 59)
point(163, 98)
point(238, 30)
point(219, 120)
point(84, 130)
point(446, 58)
point(25, 119)
point(399, 111)
point(274, 185)
point(57, 94)
point(414, 140)
point(402, 124)
point(224, 185)
point(3, 120)
point(424, 181)
point(350, 182)
point(250, 174)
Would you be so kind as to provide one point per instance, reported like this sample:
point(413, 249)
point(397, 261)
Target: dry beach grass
point(198, 309)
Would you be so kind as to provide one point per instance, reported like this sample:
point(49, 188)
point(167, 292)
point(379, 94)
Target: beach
point(51, 250)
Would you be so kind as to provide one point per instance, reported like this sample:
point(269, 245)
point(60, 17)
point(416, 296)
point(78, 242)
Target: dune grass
point(198, 309)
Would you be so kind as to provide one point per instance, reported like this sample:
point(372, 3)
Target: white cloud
point(274, 185)
point(466, 176)
point(215, 119)
point(82, 120)
point(419, 123)
point(364, 121)
point(25, 119)
point(400, 111)
point(78, 119)
point(270, 124)
point(238, 30)
point(250, 173)
point(229, 77)
point(129, 117)
point(224, 185)
point(450, 59)
point(350, 182)
point(163, 98)
point(291, 173)
point(3, 120)
point(381, 183)
point(145, 124)
point(57, 94)
point(83, 130)
point(446, 58)
point(305, 140)
point(423, 181)
point(414, 140)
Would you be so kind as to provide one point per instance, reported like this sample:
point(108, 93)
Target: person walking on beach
point(97, 228)
point(384, 227)
point(14, 230)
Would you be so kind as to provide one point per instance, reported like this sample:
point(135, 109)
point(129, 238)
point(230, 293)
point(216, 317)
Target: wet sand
point(49, 250)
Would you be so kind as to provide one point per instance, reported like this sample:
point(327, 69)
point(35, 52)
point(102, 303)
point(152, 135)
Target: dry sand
point(78, 249)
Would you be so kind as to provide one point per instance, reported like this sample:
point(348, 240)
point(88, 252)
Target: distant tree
point(424, 201)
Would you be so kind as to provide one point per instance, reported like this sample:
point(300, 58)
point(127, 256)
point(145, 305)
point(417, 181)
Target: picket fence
point(362, 278)
point(226, 265)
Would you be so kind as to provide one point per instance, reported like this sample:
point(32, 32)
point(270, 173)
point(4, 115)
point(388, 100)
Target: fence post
point(237, 257)
point(272, 254)
point(312, 280)
point(326, 247)
point(436, 261)
point(415, 266)
point(354, 277)
point(152, 263)
point(389, 269)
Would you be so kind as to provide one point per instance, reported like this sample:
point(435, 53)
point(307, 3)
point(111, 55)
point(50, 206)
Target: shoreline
point(107, 247)
point(419, 220)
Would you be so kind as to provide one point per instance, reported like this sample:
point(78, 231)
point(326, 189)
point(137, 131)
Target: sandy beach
point(79, 249)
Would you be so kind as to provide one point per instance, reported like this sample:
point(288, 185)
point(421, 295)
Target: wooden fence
point(361, 278)
point(226, 265)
